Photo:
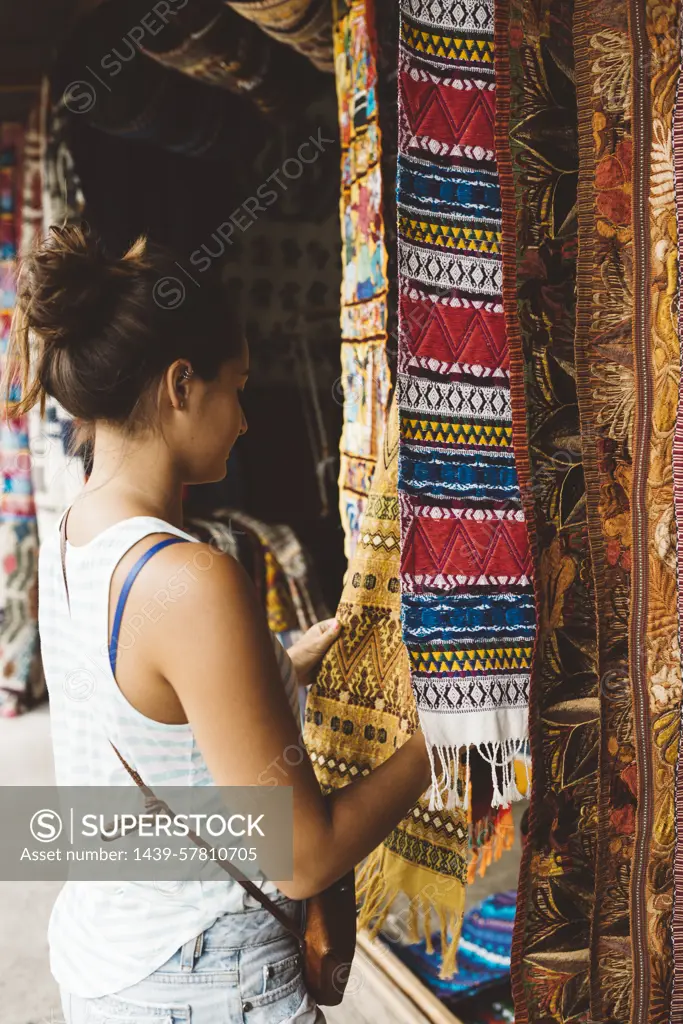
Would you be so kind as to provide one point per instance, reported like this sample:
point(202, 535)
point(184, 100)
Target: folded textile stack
point(483, 959)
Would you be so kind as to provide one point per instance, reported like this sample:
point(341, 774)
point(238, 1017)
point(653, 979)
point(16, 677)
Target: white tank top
point(104, 936)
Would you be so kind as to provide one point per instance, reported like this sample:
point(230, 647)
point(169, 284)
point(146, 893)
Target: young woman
point(204, 694)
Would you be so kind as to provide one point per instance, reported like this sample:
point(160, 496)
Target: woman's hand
point(307, 653)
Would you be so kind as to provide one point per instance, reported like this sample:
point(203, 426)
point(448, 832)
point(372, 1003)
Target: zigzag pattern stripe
point(458, 301)
point(377, 540)
point(456, 433)
point(461, 84)
point(447, 369)
point(416, 584)
point(477, 514)
point(480, 659)
point(448, 47)
point(450, 236)
point(485, 693)
point(443, 149)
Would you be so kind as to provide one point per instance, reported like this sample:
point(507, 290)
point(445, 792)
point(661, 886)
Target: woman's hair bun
point(95, 331)
point(69, 287)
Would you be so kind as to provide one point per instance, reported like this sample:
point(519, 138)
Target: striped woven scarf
point(467, 608)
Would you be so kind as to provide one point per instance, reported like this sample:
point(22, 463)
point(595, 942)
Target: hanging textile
point(534, 69)
point(193, 88)
point(62, 196)
point(306, 25)
point(51, 195)
point(642, 850)
point(365, 379)
point(20, 674)
point(32, 184)
point(468, 607)
point(361, 708)
point(676, 1015)
point(291, 574)
point(213, 44)
point(589, 293)
point(628, 363)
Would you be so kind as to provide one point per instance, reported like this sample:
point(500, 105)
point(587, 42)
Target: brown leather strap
point(152, 800)
point(62, 548)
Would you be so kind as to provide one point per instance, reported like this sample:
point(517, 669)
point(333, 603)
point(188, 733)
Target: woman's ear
point(177, 383)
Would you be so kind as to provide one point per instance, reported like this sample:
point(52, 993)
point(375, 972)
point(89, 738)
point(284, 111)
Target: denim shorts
point(244, 969)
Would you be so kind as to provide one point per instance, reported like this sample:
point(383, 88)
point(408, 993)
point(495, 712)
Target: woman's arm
point(214, 649)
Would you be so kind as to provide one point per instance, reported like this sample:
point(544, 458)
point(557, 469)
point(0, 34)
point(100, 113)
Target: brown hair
point(97, 332)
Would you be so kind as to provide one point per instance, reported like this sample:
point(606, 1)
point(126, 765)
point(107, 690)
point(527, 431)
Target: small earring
point(186, 374)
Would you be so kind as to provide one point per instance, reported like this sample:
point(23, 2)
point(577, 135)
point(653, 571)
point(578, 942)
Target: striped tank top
point(104, 936)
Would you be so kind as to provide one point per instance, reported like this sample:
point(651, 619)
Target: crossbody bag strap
point(151, 800)
point(62, 552)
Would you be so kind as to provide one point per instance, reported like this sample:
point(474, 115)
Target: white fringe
point(443, 792)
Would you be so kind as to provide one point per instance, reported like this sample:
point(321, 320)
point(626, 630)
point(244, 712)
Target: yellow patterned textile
point(361, 709)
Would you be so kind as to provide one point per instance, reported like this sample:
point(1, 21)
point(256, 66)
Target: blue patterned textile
point(483, 952)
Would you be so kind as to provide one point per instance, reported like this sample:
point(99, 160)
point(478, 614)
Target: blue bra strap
point(125, 591)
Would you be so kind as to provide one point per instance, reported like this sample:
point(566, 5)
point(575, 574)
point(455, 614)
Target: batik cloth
point(483, 952)
point(361, 709)
point(281, 571)
point(20, 673)
point(306, 25)
point(365, 378)
point(676, 1015)
point(589, 290)
point(537, 155)
point(628, 362)
point(468, 606)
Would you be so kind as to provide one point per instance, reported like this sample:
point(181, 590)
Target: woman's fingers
point(328, 633)
point(308, 652)
point(326, 624)
point(320, 637)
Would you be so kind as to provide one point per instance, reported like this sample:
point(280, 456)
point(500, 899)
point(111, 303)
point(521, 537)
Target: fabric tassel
point(496, 836)
point(385, 883)
point(447, 791)
point(449, 949)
